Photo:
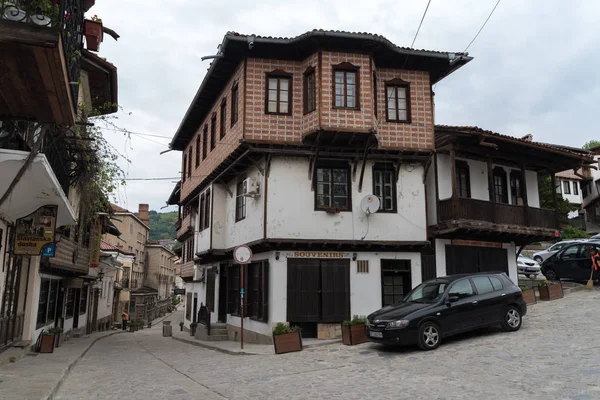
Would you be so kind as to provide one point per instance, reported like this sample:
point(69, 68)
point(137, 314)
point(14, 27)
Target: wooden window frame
point(70, 314)
point(515, 176)
point(500, 173)
point(575, 189)
point(183, 173)
point(257, 305)
point(279, 75)
point(385, 169)
point(346, 68)
point(235, 94)
point(566, 187)
point(189, 169)
point(397, 83)
point(375, 94)
point(331, 165)
point(205, 142)
point(197, 151)
point(201, 212)
point(43, 303)
point(461, 165)
point(83, 299)
point(222, 130)
point(240, 201)
point(213, 131)
point(307, 87)
point(207, 207)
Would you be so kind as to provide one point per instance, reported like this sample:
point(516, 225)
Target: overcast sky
point(535, 67)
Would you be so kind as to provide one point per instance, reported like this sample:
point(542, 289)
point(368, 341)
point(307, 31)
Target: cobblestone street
point(555, 355)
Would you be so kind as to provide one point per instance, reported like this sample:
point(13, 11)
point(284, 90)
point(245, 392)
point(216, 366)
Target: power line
point(152, 179)
point(482, 26)
point(416, 34)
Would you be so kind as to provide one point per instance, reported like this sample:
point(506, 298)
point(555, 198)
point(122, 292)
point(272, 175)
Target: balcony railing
point(185, 229)
point(66, 16)
point(506, 214)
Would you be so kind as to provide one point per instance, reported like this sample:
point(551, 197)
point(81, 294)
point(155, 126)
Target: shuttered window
point(257, 287)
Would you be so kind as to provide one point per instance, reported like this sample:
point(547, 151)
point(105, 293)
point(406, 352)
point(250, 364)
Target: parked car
point(447, 306)
point(595, 237)
point(528, 267)
point(543, 255)
point(571, 262)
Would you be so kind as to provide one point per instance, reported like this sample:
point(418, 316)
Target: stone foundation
point(249, 336)
point(329, 331)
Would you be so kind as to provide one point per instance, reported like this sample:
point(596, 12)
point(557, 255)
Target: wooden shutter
point(264, 312)
point(428, 268)
point(303, 290)
point(210, 289)
point(233, 292)
point(335, 290)
point(493, 260)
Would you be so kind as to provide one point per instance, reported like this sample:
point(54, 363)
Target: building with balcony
point(47, 79)
point(483, 199)
point(119, 278)
point(161, 270)
point(283, 141)
point(569, 185)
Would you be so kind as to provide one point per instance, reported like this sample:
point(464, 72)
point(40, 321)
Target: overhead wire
point(417, 33)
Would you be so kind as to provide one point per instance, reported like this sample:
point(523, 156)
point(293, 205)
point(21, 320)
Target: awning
point(37, 187)
point(110, 265)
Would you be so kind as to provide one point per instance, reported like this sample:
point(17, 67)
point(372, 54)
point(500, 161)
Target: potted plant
point(47, 343)
point(131, 326)
point(93, 33)
point(57, 331)
point(354, 331)
point(550, 290)
point(286, 339)
point(193, 326)
point(181, 327)
point(528, 295)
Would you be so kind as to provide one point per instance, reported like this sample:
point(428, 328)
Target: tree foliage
point(546, 201)
point(162, 225)
point(571, 232)
point(591, 144)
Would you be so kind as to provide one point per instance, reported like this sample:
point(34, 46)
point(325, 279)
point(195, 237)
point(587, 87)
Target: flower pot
point(47, 345)
point(551, 292)
point(192, 331)
point(354, 334)
point(93, 34)
point(132, 329)
point(529, 296)
point(287, 342)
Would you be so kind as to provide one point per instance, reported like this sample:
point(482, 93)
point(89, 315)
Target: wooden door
point(303, 286)
point(335, 290)
point(210, 289)
point(222, 293)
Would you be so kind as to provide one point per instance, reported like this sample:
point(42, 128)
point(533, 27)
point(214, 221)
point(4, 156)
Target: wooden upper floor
point(337, 88)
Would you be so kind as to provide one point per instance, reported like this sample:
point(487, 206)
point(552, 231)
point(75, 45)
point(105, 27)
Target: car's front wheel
point(538, 259)
point(429, 336)
point(550, 274)
point(512, 319)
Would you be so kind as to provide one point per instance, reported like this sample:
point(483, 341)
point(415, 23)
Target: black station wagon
point(447, 306)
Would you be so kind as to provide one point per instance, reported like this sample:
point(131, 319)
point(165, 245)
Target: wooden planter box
point(132, 329)
point(287, 342)
point(529, 296)
point(193, 331)
point(58, 340)
point(47, 345)
point(551, 292)
point(93, 34)
point(354, 334)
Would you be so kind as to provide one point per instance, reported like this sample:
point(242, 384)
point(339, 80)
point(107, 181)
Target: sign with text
point(178, 291)
point(317, 254)
point(49, 250)
point(35, 231)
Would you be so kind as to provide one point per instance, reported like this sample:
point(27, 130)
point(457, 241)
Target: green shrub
point(356, 320)
point(570, 232)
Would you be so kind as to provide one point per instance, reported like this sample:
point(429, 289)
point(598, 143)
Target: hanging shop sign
point(95, 244)
point(317, 254)
point(35, 231)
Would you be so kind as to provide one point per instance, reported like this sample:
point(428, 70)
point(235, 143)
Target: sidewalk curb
point(209, 347)
point(67, 370)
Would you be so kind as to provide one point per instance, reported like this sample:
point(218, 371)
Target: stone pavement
point(556, 355)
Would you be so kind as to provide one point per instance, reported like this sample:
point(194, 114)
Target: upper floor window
point(585, 189)
point(397, 97)
point(566, 187)
point(463, 179)
point(516, 188)
point(345, 86)
point(279, 93)
point(213, 132)
point(184, 168)
point(234, 104)
point(500, 187)
point(576, 188)
point(333, 187)
point(189, 171)
point(310, 90)
point(204, 210)
point(204, 142)
point(197, 151)
point(223, 112)
point(202, 204)
point(240, 201)
point(384, 187)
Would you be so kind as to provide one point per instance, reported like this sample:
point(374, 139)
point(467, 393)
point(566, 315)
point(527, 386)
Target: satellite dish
point(369, 204)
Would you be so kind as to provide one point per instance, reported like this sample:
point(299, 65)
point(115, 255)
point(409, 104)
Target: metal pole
point(242, 304)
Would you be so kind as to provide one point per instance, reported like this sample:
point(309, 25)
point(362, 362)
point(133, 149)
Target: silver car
point(543, 255)
point(528, 267)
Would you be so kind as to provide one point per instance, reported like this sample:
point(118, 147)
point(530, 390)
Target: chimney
point(143, 213)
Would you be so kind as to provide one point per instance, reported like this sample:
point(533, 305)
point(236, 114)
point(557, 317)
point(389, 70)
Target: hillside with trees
point(162, 225)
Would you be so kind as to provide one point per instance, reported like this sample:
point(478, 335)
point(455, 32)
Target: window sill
point(241, 219)
point(276, 113)
point(332, 210)
point(308, 112)
point(393, 121)
point(394, 211)
point(346, 108)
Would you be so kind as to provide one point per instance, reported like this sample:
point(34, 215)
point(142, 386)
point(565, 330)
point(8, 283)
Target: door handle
point(503, 294)
point(475, 302)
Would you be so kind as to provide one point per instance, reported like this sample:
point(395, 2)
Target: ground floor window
point(188, 307)
point(395, 281)
point(47, 302)
point(70, 303)
point(257, 285)
point(83, 300)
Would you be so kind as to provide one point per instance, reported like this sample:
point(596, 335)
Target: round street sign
point(242, 254)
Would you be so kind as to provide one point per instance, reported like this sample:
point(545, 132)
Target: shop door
point(395, 281)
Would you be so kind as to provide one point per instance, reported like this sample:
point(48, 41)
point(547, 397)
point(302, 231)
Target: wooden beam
point(554, 201)
point(453, 181)
point(490, 172)
point(524, 193)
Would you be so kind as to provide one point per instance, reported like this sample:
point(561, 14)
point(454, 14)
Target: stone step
point(218, 331)
point(218, 338)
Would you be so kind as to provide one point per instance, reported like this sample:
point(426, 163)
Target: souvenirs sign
point(35, 231)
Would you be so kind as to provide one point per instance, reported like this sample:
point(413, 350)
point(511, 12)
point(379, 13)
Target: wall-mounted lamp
point(277, 254)
point(354, 255)
point(100, 276)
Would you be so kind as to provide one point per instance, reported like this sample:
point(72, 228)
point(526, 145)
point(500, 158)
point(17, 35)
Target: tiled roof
point(116, 208)
point(475, 130)
point(104, 246)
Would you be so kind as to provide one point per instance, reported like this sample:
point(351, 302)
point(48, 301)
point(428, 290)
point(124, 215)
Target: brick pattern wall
point(419, 133)
point(310, 121)
point(342, 119)
point(224, 146)
point(270, 127)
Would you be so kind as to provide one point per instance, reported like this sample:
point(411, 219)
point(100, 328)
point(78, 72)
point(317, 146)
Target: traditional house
point(285, 147)
point(483, 201)
point(569, 186)
point(161, 269)
point(48, 80)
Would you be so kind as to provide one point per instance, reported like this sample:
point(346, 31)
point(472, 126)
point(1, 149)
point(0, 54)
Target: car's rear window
point(496, 283)
point(483, 284)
